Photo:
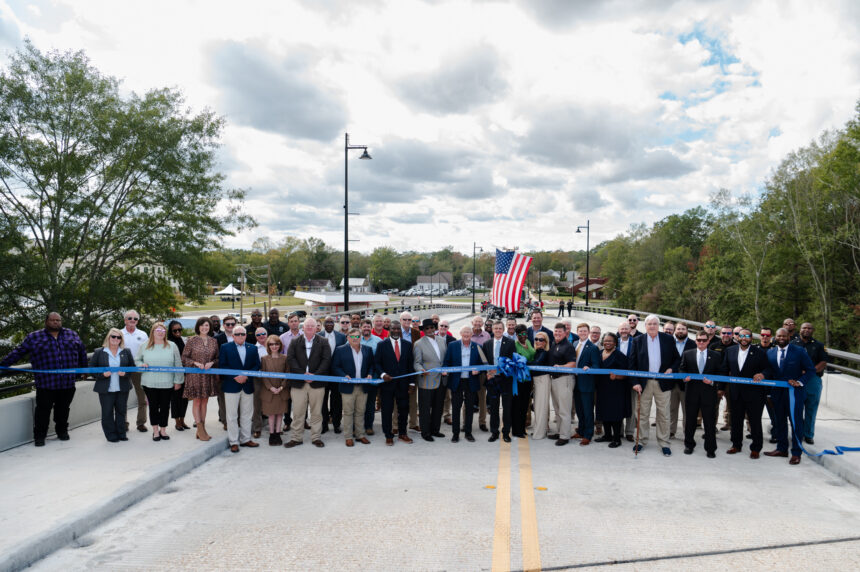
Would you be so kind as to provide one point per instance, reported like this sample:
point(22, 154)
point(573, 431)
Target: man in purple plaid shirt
point(55, 347)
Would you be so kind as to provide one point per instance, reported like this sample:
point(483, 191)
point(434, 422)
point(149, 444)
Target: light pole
point(365, 155)
point(475, 249)
point(587, 228)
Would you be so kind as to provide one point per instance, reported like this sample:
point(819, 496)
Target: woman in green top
point(524, 346)
point(159, 351)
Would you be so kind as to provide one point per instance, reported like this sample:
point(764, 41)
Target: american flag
point(511, 270)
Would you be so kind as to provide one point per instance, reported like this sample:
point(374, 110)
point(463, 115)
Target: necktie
point(397, 349)
point(701, 362)
point(497, 351)
point(781, 356)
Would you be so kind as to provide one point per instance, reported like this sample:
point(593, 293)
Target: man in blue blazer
point(239, 389)
point(332, 408)
point(354, 361)
point(746, 360)
point(394, 358)
point(587, 356)
point(464, 385)
point(790, 363)
point(654, 352)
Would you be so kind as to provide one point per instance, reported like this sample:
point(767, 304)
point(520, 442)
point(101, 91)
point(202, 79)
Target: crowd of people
point(402, 352)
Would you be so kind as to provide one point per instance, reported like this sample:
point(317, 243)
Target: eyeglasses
point(132, 318)
point(114, 337)
point(701, 340)
point(416, 321)
point(354, 337)
point(710, 327)
point(239, 334)
point(260, 335)
point(344, 321)
point(727, 333)
point(765, 335)
point(256, 315)
point(541, 340)
point(522, 334)
point(229, 324)
point(176, 331)
point(744, 336)
point(162, 330)
point(632, 320)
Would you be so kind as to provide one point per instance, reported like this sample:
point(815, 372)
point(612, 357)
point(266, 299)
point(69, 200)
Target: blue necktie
point(701, 362)
point(781, 357)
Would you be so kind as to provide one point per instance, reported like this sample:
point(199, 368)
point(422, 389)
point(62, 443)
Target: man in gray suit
point(429, 352)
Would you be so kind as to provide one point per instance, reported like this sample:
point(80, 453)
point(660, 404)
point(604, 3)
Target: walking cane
point(638, 415)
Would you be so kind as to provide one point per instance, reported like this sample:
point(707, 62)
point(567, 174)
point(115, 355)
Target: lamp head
point(365, 155)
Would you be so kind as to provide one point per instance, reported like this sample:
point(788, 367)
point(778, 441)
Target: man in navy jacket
point(464, 385)
point(239, 389)
point(393, 358)
point(355, 361)
point(587, 356)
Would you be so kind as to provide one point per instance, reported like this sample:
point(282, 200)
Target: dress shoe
point(123, 438)
point(576, 435)
point(405, 438)
point(776, 453)
point(64, 436)
point(369, 431)
point(439, 435)
point(338, 430)
point(427, 438)
point(795, 460)
point(603, 439)
point(179, 427)
point(448, 421)
point(749, 436)
point(615, 444)
point(165, 437)
point(389, 441)
point(637, 448)
point(553, 436)
point(483, 427)
point(156, 437)
point(809, 440)
point(584, 442)
point(667, 452)
point(272, 440)
point(733, 450)
point(506, 438)
point(39, 442)
point(113, 440)
point(250, 444)
point(561, 442)
point(688, 450)
point(364, 441)
point(469, 438)
point(712, 455)
point(142, 428)
point(415, 428)
point(493, 438)
point(725, 427)
point(319, 444)
point(455, 439)
point(234, 448)
point(291, 444)
point(753, 454)
point(629, 438)
point(256, 434)
point(350, 443)
point(324, 429)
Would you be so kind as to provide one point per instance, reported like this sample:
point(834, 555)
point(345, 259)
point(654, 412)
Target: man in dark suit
point(332, 410)
point(354, 361)
point(746, 360)
point(537, 325)
point(701, 394)
point(394, 358)
point(464, 385)
point(308, 353)
point(790, 363)
point(587, 356)
point(499, 387)
point(654, 351)
point(239, 389)
point(222, 338)
point(682, 344)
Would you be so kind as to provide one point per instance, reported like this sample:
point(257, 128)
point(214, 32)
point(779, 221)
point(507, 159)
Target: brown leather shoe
point(369, 432)
point(416, 428)
point(405, 439)
point(753, 454)
point(795, 460)
point(250, 444)
point(364, 441)
point(350, 443)
point(576, 436)
point(234, 448)
point(389, 441)
point(776, 453)
point(291, 444)
point(319, 444)
point(256, 434)
point(733, 451)
point(584, 442)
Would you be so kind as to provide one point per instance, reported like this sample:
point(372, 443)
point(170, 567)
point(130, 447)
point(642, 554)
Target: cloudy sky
point(506, 123)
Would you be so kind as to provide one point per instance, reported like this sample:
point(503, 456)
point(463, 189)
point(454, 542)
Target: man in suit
point(537, 325)
point(746, 360)
point(625, 346)
point(721, 344)
point(307, 354)
point(428, 353)
point(464, 385)
point(394, 358)
point(354, 361)
point(224, 337)
point(239, 389)
point(410, 334)
point(587, 356)
point(500, 386)
point(332, 409)
point(682, 344)
point(654, 352)
point(701, 394)
point(790, 363)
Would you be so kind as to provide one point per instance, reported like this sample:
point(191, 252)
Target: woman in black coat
point(613, 394)
point(178, 404)
point(113, 387)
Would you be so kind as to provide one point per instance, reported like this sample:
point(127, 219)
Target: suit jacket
point(797, 364)
point(228, 358)
point(668, 359)
point(531, 334)
point(386, 362)
point(221, 338)
point(688, 345)
point(453, 358)
point(318, 363)
point(100, 359)
point(756, 362)
point(424, 357)
point(589, 356)
point(714, 364)
point(342, 365)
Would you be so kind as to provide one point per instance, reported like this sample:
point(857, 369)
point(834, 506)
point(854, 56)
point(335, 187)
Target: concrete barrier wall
point(16, 414)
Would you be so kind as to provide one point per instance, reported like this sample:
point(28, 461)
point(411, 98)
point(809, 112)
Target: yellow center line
point(528, 511)
point(502, 529)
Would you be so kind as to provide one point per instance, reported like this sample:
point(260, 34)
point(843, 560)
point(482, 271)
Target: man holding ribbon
point(747, 360)
point(464, 385)
point(499, 385)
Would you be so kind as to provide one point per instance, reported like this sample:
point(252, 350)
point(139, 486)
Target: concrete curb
point(78, 525)
point(836, 465)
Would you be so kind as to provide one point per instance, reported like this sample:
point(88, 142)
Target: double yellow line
point(528, 512)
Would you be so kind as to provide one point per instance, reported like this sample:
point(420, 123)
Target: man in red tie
point(393, 359)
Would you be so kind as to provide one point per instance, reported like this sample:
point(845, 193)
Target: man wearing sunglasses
point(711, 331)
point(721, 344)
point(746, 360)
point(134, 338)
point(344, 323)
point(701, 395)
point(225, 337)
point(633, 321)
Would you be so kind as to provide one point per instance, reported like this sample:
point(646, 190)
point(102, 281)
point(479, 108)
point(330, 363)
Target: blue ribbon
point(516, 368)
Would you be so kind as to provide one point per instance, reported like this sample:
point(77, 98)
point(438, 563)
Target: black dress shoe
point(63, 436)
point(629, 438)
point(427, 438)
point(712, 455)
point(483, 427)
point(324, 429)
point(506, 438)
point(455, 439)
point(561, 442)
point(603, 439)
point(337, 429)
point(439, 435)
point(615, 444)
point(123, 438)
point(809, 440)
point(470, 438)
point(493, 438)
point(520, 435)
point(688, 451)
point(39, 442)
point(553, 436)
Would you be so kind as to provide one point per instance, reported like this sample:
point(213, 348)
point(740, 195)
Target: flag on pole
point(511, 270)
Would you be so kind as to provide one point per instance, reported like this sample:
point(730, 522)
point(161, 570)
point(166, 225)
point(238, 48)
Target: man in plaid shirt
point(55, 347)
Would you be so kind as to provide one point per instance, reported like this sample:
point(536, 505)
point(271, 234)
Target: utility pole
point(269, 283)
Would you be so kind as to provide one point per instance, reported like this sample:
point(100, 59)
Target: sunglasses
point(699, 341)
point(229, 324)
point(162, 330)
point(256, 315)
point(354, 337)
point(132, 318)
point(260, 335)
point(541, 340)
point(177, 331)
point(116, 337)
point(239, 334)
point(711, 327)
point(744, 336)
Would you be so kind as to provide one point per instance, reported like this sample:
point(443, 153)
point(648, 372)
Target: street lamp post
point(475, 249)
point(365, 155)
point(587, 228)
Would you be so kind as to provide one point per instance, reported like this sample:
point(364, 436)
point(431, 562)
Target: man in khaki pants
point(308, 353)
point(134, 338)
